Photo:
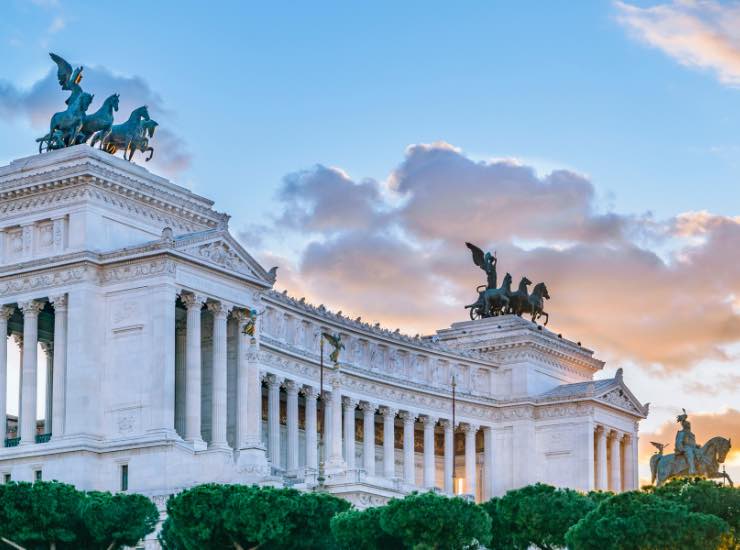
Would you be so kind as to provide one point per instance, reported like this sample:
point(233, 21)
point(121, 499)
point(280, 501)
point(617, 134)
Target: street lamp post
point(336, 342)
point(321, 441)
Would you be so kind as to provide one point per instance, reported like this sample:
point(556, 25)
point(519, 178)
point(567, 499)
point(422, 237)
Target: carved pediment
point(221, 254)
point(621, 398)
point(225, 253)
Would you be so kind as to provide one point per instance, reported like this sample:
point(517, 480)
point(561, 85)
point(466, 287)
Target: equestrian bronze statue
point(493, 301)
point(74, 126)
point(690, 458)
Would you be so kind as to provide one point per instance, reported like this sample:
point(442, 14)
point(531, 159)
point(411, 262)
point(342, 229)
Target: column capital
point(31, 307)
point(388, 412)
point(47, 347)
point(468, 428)
point(350, 403)
point(219, 309)
point(59, 302)
point(600, 430)
point(615, 435)
point(18, 337)
point(291, 387)
point(428, 420)
point(273, 380)
point(368, 407)
point(240, 314)
point(310, 392)
point(6, 312)
point(446, 423)
point(408, 417)
point(192, 301)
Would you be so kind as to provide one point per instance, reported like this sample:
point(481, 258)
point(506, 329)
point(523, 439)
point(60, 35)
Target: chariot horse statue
point(128, 136)
point(74, 126)
point(690, 458)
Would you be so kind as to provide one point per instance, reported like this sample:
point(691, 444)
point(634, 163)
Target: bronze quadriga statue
point(493, 301)
point(74, 126)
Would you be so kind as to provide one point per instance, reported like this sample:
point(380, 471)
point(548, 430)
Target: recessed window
point(124, 477)
point(6, 478)
point(37, 475)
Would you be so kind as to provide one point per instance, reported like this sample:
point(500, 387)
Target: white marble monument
point(135, 291)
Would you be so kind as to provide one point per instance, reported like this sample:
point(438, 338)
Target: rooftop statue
point(494, 301)
point(74, 126)
point(690, 458)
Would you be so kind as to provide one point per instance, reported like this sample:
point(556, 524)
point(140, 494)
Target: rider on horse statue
point(686, 442)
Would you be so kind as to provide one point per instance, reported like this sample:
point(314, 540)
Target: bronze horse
point(708, 459)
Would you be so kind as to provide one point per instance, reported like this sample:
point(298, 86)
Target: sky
point(594, 145)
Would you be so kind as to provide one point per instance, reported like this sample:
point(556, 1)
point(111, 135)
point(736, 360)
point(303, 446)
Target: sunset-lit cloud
point(635, 288)
point(697, 33)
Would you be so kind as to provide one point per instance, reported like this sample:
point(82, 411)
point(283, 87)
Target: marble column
point(252, 458)
point(627, 460)
point(48, 349)
point(615, 479)
point(601, 469)
point(273, 419)
point(488, 458)
point(430, 423)
point(449, 456)
point(5, 313)
point(242, 378)
point(350, 405)
point(310, 394)
point(409, 468)
point(389, 447)
point(470, 468)
point(27, 423)
point(336, 460)
point(368, 437)
point(180, 351)
point(326, 403)
point(291, 408)
point(193, 303)
point(219, 381)
point(635, 438)
point(18, 339)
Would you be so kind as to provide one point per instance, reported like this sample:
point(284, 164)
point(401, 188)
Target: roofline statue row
point(74, 126)
point(494, 301)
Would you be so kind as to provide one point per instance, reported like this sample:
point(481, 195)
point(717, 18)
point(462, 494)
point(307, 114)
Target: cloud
point(697, 33)
point(41, 100)
point(57, 24)
point(704, 425)
point(659, 293)
point(724, 383)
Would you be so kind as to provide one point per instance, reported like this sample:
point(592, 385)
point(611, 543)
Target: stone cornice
point(373, 332)
point(150, 250)
point(84, 165)
point(396, 393)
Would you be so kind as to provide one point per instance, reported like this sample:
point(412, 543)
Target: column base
point(252, 462)
point(335, 465)
point(198, 444)
point(219, 447)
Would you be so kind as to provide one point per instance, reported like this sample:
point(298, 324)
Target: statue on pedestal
point(690, 458)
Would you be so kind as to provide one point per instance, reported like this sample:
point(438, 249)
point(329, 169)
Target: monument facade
point(133, 295)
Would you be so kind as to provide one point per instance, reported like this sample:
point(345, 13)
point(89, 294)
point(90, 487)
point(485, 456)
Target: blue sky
point(639, 102)
point(261, 89)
